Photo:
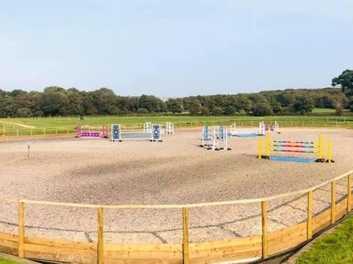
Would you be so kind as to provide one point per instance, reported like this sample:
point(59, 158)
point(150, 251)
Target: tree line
point(57, 101)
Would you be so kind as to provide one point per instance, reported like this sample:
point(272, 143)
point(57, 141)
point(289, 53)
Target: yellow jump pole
point(325, 149)
point(268, 145)
point(264, 146)
point(330, 150)
point(260, 147)
point(321, 146)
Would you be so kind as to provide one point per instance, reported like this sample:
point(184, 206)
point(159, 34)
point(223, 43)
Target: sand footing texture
point(176, 171)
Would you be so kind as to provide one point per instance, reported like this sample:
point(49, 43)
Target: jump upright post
point(147, 127)
point(169, 129)
point(166, 129)
point(319, 150)
point(274, 127)
point(154, 135)
point(208, 137)
point(215, 138)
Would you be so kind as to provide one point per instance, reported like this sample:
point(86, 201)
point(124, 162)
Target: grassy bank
point(27, 126)
point(333, 248)
point(6, 261)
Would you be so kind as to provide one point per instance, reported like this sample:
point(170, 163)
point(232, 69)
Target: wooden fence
point(249, 249)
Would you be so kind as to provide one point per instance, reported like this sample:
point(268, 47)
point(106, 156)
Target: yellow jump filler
point(320, 150)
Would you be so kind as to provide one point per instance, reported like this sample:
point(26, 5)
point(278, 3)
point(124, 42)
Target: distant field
point(323, 111)
point(50, 125)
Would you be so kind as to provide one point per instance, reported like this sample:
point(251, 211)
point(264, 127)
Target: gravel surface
point(176, 171)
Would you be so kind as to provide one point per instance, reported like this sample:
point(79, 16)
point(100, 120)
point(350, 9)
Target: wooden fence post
point(186, 255)
point(349, 193)
point(21, 229)
point(100, 236)
point(264, 226)
point(333, 202)
point(309, 223)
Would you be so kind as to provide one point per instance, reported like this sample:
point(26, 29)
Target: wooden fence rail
point(245, 248)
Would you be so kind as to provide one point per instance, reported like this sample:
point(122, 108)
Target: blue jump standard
point(293, 159)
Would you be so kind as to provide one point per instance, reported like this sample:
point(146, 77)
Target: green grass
point(333, 248)
point(12, 126)
point(6, 261)
point(323, 111)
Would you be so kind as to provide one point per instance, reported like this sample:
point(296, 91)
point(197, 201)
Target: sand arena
point(176, 171)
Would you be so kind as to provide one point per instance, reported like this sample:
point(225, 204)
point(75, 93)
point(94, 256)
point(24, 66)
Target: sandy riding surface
point(176, 171)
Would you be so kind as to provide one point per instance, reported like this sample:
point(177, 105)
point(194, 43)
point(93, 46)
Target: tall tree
point(345, 80)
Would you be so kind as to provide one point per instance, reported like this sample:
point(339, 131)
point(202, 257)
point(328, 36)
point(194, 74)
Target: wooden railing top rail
point(179, 206)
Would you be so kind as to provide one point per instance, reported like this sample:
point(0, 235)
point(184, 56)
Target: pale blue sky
point(174, 48)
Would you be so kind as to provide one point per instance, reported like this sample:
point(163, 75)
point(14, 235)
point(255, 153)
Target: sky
point(174, 48)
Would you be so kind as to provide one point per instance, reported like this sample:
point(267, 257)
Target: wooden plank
point(9, 244)
point(309, 221)
point(264, 228)
point(322, 220)
point(144, 247)
point(83, 252)
point(100, 236)
point(235, 242)
point(143, 261)
point(237, 257)
point(226, 250)
point(21, 229)
point(61, 244)
point(287, 238)
point(129, 255)
point(186, 253)
point(126, 256)
point(9, 237)
point(349, 193)
point(341, 208)
point(144, 253)
point(333, 202)
point(57, 254)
